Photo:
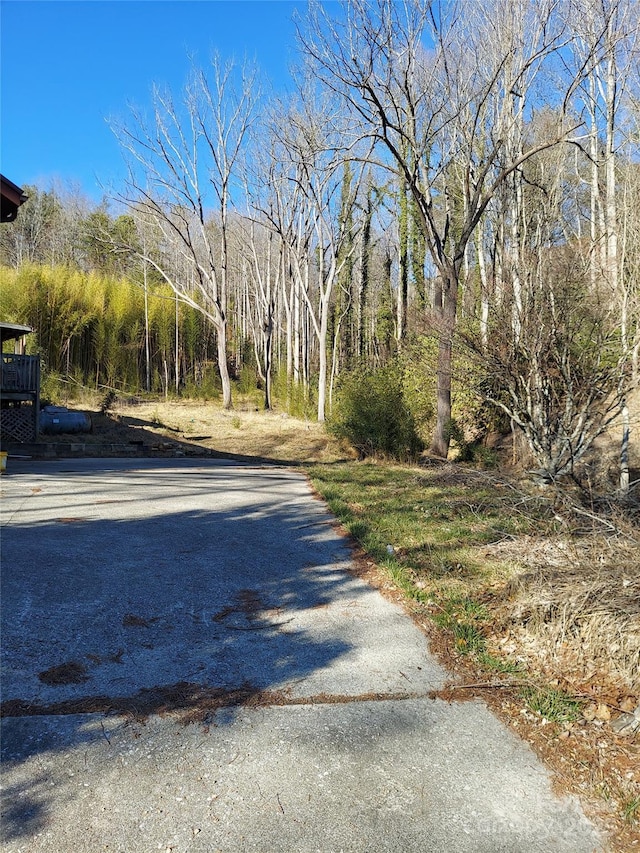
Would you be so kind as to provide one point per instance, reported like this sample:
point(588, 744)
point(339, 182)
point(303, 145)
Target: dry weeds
point(194, 428)
point(575, 609)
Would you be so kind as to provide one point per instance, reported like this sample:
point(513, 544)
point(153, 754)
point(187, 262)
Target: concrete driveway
point(189, 665)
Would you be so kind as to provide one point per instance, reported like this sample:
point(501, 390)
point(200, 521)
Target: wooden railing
point(19, 374)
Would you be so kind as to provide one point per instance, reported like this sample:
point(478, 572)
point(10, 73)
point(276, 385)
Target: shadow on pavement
point(164, 611)
point(156, 611)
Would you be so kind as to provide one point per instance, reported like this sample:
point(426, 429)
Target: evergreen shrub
point(372, 414)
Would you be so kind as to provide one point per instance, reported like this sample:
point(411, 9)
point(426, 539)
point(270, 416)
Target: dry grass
point(575, 610)
point(196, 428)
point(244, 431)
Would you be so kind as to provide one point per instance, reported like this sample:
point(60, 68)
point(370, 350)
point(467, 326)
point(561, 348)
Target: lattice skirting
point(18, 423)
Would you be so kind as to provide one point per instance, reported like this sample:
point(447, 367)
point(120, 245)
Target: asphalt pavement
point(189, 664)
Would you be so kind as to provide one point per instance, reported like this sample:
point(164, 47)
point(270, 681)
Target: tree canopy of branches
point(443, 91)
point(180, 188)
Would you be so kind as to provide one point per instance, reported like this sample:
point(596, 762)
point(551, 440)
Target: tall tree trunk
point(446, 321)
point(177, 346)
point(403, 260)
point(611, 216)
point(323, 361)
point(624, 450)
point(363, 292)
point(267, 353)
point(223, 367)
point(484, 287)
point(147, 348)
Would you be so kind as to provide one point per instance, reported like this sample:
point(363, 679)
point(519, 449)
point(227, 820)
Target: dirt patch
point(249, 604)
point(180, 697)
point(254, 614)
point(72, 672)
point(130, 620)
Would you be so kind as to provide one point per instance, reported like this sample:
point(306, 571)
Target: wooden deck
point(20, 397)
point(19, 374)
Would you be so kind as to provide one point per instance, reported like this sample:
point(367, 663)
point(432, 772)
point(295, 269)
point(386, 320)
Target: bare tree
point(311, 213)
point(262, 251)
point(332, 243)
point(560, 377)
point(275, 197)
point(181, 170)
point(630, 301)
point(48, 228)
point(446, 115)
point(608, 48)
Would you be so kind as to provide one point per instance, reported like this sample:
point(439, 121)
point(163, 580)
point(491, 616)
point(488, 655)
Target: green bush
point(51, 389)
point(418, 360)
point(372, 414)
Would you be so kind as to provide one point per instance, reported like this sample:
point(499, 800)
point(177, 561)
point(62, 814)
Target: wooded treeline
point(451, 179)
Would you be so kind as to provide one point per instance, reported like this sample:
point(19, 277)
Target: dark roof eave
point(11, 331)
point(12, 197)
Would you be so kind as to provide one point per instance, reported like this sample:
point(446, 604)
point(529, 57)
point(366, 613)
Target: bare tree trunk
point(596, 224)
point(267, 353)
point(287, 301)
point(147, 349)
point(363, 283)
point(223, 367)
point(323, 360)
point(624, 450)
point(177, 346)
point(611, 216)
point(403, 261)
point(484, 287)
point(446, 321)
point(298, 286)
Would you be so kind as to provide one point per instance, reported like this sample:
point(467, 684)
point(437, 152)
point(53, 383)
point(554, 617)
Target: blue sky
point(67, 66)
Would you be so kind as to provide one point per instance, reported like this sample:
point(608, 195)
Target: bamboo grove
point(450, 188)
point(92, 329)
